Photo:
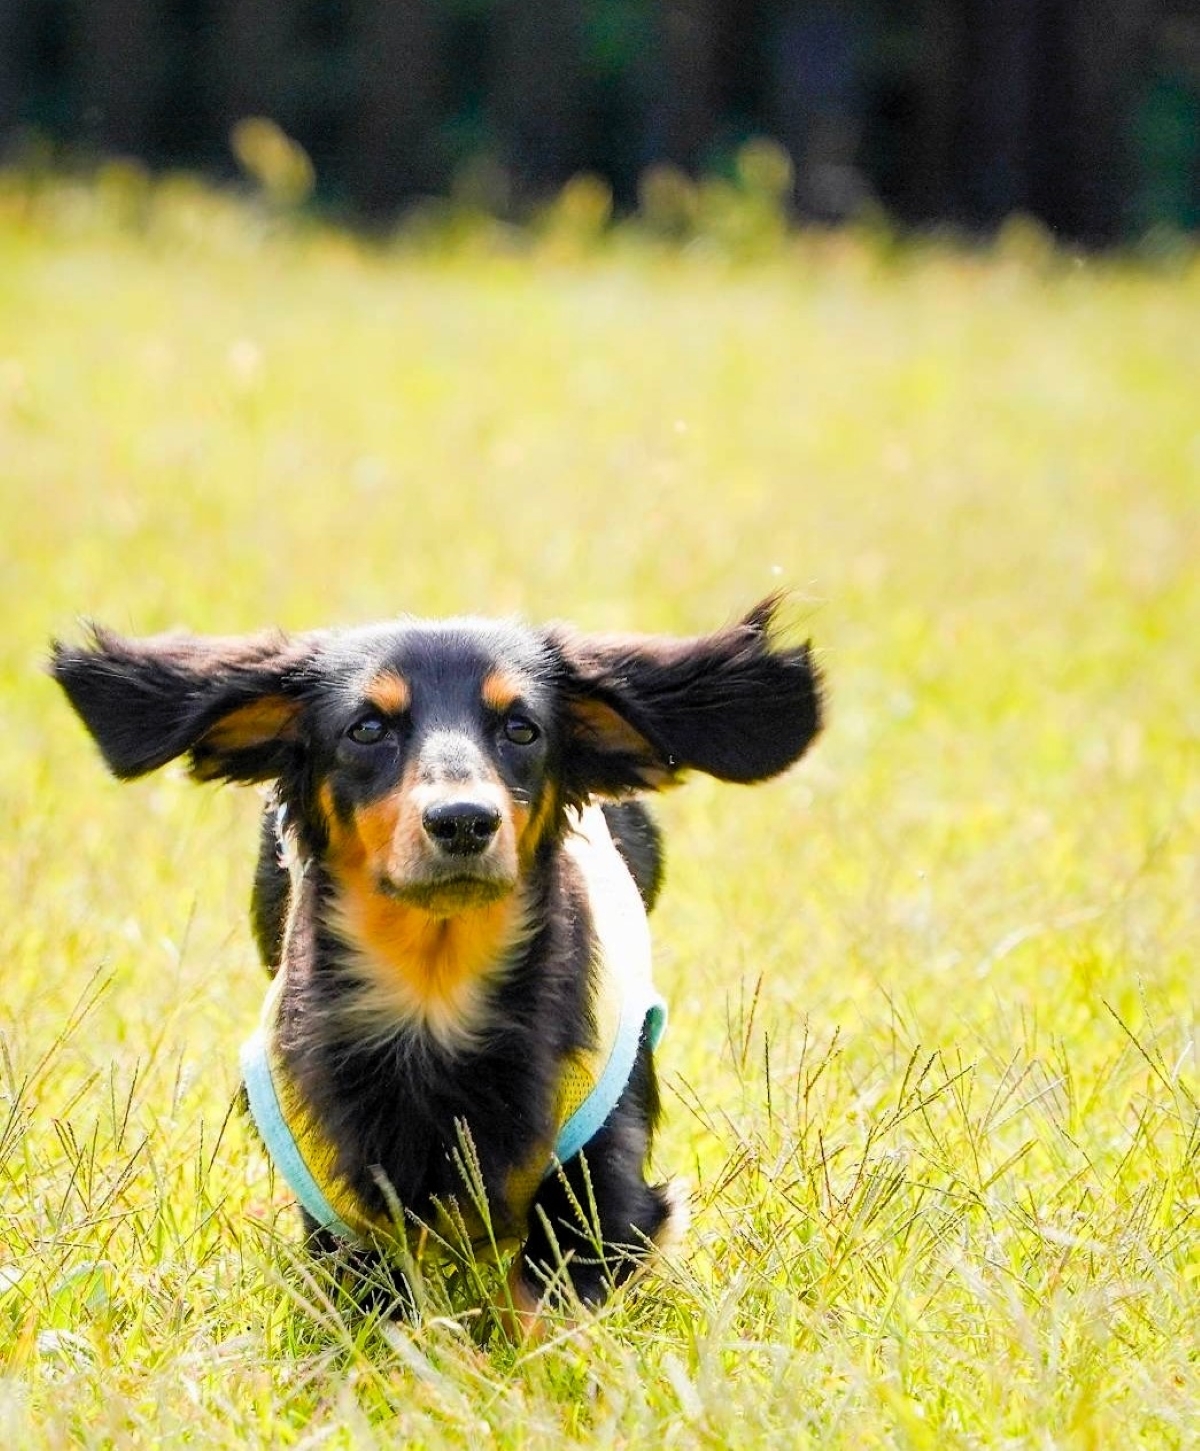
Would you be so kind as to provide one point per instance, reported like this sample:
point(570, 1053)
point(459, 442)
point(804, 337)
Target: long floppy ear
point(738, 704)
point(232, 704)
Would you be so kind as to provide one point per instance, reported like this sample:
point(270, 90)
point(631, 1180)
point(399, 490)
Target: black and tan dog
point(457, 933)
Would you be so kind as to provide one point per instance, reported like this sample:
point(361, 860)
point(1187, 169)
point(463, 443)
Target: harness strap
point(282, 1148)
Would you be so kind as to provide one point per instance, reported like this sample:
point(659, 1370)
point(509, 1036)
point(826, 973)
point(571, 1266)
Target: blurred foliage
point(880, 105)
point(281, 168)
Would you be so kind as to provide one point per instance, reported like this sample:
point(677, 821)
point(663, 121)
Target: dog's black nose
point(462, 828)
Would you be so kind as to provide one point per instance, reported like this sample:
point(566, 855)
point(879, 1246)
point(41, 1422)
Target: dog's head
point(431, 760)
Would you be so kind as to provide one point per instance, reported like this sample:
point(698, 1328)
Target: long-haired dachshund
point(461, 1022)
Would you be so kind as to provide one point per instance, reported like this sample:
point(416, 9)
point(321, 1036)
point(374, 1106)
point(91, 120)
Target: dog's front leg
point(370, 1277)
point(595, 1220)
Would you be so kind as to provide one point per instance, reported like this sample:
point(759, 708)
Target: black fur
point(589, 716)
point(639, 841)
point(272, 889)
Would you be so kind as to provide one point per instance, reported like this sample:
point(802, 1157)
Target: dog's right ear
point(233, 705)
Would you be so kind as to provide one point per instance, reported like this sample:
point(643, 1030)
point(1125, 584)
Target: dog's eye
point(368, 732)
point(520, 730)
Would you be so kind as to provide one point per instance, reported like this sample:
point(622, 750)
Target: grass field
point(932, 1065)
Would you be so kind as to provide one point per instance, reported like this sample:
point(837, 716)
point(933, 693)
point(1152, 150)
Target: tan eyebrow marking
point(390, 692)
point(501, 690)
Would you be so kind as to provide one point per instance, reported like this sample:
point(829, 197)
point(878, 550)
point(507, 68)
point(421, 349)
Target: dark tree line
point(1084, 113)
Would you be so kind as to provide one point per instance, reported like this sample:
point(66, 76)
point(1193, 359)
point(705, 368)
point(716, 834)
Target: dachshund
point(451, 901)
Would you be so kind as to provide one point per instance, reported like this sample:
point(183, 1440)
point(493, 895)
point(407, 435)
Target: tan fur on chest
point(414, 969)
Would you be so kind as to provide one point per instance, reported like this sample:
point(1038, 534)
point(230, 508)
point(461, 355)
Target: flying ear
point(738, 704)
point(232, 704)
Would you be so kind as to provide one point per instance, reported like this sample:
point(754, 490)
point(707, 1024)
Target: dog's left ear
point(233, 705)
point(739, 705)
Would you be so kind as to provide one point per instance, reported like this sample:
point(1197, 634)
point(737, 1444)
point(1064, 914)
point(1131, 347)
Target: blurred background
point(932, 1058)
point(1084, 114)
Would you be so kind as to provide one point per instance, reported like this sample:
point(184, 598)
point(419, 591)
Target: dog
point(451, 894)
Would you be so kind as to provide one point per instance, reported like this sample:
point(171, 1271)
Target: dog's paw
point(520, 1310)
point(675, 1195)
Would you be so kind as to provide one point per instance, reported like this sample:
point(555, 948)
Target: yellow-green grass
point(931, 1069)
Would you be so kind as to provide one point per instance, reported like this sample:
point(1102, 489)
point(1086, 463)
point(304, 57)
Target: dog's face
point(432, 752)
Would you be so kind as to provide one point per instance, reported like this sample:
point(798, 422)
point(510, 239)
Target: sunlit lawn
point(931, 1069)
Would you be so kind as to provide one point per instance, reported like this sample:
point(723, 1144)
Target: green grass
point(932, 1065)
